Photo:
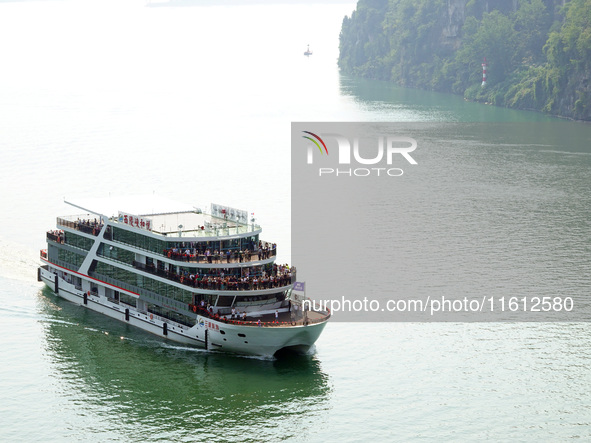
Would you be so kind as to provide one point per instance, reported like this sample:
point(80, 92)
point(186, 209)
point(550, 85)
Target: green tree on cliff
point(538, 51)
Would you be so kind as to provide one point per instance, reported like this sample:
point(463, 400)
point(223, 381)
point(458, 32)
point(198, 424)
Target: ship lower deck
point(260, 334)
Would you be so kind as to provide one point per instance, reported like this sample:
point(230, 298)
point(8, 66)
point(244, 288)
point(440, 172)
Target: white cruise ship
point(197, 278)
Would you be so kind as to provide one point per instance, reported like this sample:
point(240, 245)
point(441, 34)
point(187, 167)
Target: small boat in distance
point(308, 52)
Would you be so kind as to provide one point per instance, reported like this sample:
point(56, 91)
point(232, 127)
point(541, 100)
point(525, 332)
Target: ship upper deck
point(168, 217)
point(193, 224)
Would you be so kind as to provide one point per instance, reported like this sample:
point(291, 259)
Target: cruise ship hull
point(207, 333)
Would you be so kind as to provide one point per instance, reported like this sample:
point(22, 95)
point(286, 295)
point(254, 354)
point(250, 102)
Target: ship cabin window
point(127, 299)
point(207, 299)
point(171, 315)
point(138, 239)
point(68, 259)
point(241, 335)
point(230, 244)
point(78, 241)
point(225, 301)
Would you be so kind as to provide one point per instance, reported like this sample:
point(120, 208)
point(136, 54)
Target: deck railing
point(208, 229)
point(302, 320)
point(231, 256)
point(86, 226)
point(219, 283)
point(55, 236)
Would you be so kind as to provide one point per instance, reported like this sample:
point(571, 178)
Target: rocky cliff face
point(456, 15)
point(575, 101)
point(539, 51)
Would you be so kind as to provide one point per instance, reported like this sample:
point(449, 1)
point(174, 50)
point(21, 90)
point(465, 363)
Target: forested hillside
point(538, 51)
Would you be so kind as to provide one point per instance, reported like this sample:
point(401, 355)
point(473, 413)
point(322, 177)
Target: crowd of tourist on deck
point(88, 226)
point(56, 235)
point(207, 310)
point(240, 317)
point(217, 279)
point(200, 254)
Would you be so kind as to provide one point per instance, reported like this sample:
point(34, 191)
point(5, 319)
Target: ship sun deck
point(192, 224)
point(167, 225)
point(165, 218)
